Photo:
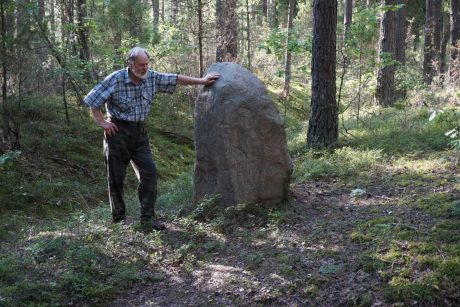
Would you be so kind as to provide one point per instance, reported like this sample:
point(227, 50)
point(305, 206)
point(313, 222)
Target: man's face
point(140, 66)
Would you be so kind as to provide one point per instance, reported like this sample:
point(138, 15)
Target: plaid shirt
point(126, 100)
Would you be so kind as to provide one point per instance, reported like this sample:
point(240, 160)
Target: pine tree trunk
point(5, 116)
point(454, 67)
point(433, 24)
point(156, 14)
point(83, 36)
point(41, 10)
point(24, 63)
point(52, 21)
point(444, 42)
point(400, 42)
point(174, 10)
point(287, 57)
point(200, 37)
point(323, 124)
point(264, 4)
point(226, 23)
point(248, 34)
point(348, 17)
point(385, 91)
point(437, 34)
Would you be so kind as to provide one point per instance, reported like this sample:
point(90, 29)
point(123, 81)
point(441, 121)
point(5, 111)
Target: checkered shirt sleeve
point(101, 92)
point(165, 83)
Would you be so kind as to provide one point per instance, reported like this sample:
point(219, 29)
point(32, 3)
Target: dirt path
point(305, 256)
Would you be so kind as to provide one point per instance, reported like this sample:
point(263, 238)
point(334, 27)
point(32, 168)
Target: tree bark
point(52, 20)
point(41, 10)
point(287, 57)
point(323, 124)
point(348, 17)
point(454, 69)
point(174, 10)
point(400, 42)
point(271, 13)
point(431, 55)
point(83, 39)
point(444, 42)
point(200, 37)
point(227, 44)
point(248, 34)
point(264, 4)
point(156, 14)
point(437, 35)
point(5, 117)
point(385, 92)
point(23, 45)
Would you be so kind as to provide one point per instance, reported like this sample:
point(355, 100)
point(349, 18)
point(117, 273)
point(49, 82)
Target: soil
point(307, 259)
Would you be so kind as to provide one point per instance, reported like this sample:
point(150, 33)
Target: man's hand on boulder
point(211, 78)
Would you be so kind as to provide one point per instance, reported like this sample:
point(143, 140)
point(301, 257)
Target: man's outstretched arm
point(206, 80)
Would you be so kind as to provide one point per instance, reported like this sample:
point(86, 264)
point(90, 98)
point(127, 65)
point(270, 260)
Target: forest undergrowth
point(374, 221)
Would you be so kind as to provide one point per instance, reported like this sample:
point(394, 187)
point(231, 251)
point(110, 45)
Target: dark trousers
point(130, 144)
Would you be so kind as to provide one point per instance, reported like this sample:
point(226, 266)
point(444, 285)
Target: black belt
point(127, 122)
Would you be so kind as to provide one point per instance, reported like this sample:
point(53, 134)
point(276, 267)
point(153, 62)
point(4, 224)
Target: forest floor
point(325, 248)
point(396, 244)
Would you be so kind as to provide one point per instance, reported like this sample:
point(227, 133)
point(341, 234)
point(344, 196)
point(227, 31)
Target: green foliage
point(391, 8)
point(61, 165)
point(255, 260)
point(439, 204)
point(175, 195)
point(58, 266)
point(331, 269)
point(118, 26)
point(276, 44)
point(207, 209)
point(172, 43)
point(451, 118)
point(363, 31)
point(396, 131)
point(9, 157)
point(343, 163)
point(403, 290)
point(52, 149)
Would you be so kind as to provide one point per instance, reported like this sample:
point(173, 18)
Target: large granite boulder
point(241, 149)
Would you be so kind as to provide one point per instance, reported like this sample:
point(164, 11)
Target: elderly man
point(129, 93)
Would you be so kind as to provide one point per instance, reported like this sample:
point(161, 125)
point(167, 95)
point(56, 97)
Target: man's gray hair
point(134, 53)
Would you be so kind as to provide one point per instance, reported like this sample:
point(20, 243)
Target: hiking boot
point(152, 225)
point(120, 220)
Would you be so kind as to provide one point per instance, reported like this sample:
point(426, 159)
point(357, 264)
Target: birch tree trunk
point(271, 13)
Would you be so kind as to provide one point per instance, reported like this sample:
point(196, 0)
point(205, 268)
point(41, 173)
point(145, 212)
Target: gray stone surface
point(241, 148)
